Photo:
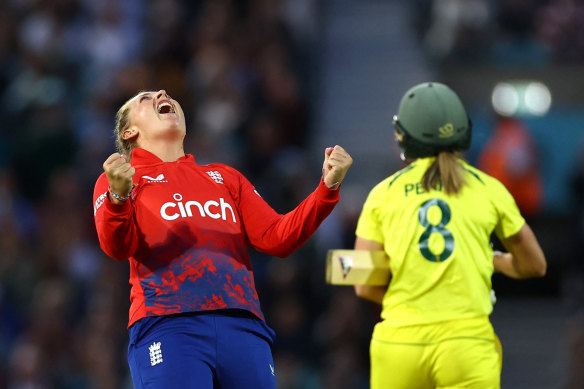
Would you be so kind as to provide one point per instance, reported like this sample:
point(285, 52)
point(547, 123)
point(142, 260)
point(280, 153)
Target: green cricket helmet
point(431, 119)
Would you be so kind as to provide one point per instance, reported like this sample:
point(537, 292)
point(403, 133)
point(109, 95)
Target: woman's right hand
point(335, 166)
point(119, 173)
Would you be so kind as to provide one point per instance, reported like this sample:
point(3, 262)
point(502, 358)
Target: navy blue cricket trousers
point(225, 349)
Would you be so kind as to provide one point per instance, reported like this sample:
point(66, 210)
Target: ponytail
point(445, 170)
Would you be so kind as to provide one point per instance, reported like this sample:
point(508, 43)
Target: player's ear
point(130, 132)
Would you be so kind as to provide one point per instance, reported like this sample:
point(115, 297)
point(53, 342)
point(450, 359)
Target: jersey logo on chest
point(215, 176)
point(214, 209)
point(158, 178)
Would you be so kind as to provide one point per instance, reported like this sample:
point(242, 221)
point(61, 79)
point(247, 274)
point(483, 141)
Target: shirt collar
point(144, 157)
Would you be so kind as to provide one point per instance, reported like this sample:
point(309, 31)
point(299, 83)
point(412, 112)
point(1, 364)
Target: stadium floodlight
point(505, 99)
point(521, 98)
point(538, 98)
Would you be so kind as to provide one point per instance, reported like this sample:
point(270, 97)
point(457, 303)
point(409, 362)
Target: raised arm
point(369, 292)
point(525, 258)
point(112, 210)
point(280, 235)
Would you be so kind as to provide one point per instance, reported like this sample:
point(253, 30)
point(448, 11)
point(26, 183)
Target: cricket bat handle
point(357, 267)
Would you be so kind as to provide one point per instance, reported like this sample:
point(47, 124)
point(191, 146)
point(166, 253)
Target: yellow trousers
point(454, 354)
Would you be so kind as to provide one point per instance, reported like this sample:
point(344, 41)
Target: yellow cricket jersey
point(438, 245)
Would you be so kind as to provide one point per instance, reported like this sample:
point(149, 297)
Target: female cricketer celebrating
point(434, 220)
point(195, 319)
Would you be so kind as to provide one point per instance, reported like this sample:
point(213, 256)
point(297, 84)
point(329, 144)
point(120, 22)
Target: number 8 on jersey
point(424, 243)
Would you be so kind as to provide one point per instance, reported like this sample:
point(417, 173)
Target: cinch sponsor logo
point(213, 209)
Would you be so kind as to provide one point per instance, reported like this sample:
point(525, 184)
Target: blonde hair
point(445, 170)
point(124, 146)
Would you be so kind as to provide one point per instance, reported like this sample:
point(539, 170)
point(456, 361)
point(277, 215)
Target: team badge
point(215, 176)
point(155, 353)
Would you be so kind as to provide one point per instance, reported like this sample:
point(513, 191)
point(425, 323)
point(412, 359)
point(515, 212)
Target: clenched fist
point(119, 173)
point(336, 164)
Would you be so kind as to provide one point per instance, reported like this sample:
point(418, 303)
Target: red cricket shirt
point(186, 230)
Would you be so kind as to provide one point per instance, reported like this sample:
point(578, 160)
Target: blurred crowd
point(241, 69)
point(511, 33)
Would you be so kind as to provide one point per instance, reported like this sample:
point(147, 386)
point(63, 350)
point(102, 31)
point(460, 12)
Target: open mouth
point(165, 107)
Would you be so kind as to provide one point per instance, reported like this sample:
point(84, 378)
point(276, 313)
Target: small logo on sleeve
point(99, 202)
point(155, 353)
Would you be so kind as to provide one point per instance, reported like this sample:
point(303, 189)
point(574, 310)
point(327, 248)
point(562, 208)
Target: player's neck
point(166, 151)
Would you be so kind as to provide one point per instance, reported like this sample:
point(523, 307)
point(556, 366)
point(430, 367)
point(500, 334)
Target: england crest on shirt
point(215, 176)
